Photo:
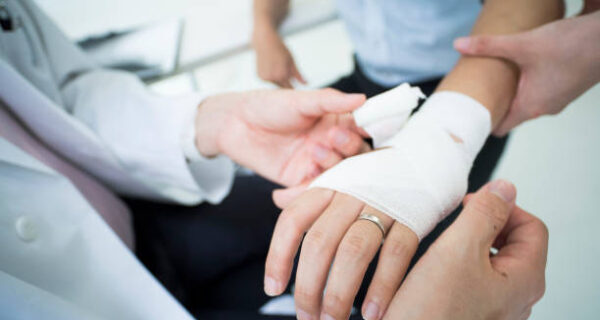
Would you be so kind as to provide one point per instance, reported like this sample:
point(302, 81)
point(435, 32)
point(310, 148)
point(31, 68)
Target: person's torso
point(406, 40)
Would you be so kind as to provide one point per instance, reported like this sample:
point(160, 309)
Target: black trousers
point(211, 258)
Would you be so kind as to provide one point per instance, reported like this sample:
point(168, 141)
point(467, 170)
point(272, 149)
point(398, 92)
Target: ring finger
point(355, 252)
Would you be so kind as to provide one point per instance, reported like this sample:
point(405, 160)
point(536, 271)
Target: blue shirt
point(407, 40)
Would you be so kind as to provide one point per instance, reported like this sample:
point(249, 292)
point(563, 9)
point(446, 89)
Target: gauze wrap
point(422, 175)
point(383, 115)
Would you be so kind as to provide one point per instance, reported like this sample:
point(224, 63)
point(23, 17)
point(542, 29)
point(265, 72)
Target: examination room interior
point(204, 45)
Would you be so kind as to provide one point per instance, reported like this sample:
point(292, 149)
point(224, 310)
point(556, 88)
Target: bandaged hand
point(409, 187)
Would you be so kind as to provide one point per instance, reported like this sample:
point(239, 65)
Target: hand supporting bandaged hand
point(417, 180)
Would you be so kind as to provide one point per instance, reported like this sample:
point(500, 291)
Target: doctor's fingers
point(398, 249)
point(291, 226)
point(353, 256)
point(318, 249)
point(347, 142)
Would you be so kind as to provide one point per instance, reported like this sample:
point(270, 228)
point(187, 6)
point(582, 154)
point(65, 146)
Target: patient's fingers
point(318, 249)
point(398, 249)
point(355, 252)
point(347, 143)
point(290, 227)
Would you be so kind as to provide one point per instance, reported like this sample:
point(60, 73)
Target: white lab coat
point(58, 259)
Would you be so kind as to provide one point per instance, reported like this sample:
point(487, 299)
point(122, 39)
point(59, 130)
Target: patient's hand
point(287, 136)
point(330, 220)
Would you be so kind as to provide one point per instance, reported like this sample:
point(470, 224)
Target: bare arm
point(274, 62)
point(269, 13)
point(492, 81)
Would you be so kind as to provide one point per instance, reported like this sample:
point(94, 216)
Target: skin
point(283, 135)
point(558, 62)
point(274, 62)
point(473, 284)
point(336, 240)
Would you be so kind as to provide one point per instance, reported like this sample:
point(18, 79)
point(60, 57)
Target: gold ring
point(374, 219)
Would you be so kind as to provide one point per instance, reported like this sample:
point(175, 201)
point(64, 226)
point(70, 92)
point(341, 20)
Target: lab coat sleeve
point(147, 133)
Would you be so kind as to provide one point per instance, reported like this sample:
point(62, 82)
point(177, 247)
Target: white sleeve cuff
point(214, 175)
point(188, 138)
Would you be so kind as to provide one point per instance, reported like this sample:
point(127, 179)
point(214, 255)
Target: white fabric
point(60, 260)
point(53, 245)
point(57, 93)
point(383, 115)
point(422, 175)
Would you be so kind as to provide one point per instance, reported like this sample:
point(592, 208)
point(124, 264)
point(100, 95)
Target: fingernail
point(341, 138)
point(303, 315)
point(272, 286)
point(503, 189)
point(462, 43)
point(325, 316)
point(371, 311)
point(320, 152)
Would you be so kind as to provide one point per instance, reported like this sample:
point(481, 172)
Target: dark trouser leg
point(483, 166)
point(210, 257)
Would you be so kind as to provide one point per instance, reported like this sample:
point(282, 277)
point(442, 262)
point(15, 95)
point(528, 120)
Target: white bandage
point(422, 176)
point(383, 115)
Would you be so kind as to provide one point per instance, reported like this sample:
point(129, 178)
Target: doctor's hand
point(274, 62)
point(334, 234)
point(280, 133)
point(458, 278)
point(558, 62)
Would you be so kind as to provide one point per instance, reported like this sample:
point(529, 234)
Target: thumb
point(320, 102)
point(283, 197)
point(485, 213)
point(505, 46)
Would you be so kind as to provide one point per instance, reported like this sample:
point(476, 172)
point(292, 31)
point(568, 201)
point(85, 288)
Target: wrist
point(263, 30)
point(207, 122)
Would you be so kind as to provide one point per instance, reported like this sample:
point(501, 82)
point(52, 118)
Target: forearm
point(268, 15)
point(490, 81)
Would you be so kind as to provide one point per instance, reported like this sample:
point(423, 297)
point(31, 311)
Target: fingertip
point(505, 190)
point(462, 44)
point(278, 198)
point(272, 286)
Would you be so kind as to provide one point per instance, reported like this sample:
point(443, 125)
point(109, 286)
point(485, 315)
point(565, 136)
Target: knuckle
point(315, 241)
point(480, 44)
point(354, 245)
point(335, 304)
point(384, 288)
point(397, 249)
point(539, 290)
point(304, 296)
point(543, 228)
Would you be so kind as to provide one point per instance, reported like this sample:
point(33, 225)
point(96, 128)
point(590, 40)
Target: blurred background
point(185, 45)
